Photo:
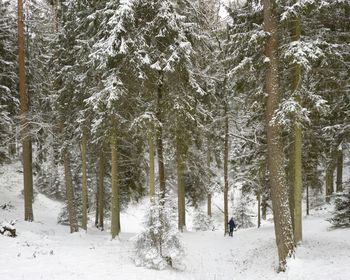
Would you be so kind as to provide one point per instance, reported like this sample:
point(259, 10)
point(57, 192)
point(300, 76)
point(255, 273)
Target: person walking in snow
point(232, 225)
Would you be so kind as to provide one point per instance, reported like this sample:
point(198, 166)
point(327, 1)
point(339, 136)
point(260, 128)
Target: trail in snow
point(46, 250)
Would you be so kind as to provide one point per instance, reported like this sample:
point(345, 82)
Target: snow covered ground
point(46, 250)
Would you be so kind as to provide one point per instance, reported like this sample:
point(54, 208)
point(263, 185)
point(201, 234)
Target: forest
point(138, 128)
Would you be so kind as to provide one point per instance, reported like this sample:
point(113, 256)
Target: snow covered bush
point(243, 214)
point(201, 221)
point(8, 229)
point(341, 214)
point(158, 246)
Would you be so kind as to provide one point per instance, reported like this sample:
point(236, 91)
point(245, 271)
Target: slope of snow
point(46, 250)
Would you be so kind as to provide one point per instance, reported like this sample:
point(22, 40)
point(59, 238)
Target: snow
point(45, 250)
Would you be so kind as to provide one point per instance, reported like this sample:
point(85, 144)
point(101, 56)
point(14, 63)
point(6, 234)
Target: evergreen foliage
point(159, 246)
point(201, 221)
point(341, 214)
point(8, 77)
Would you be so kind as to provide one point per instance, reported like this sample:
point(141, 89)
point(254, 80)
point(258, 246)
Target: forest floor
point(44, 249)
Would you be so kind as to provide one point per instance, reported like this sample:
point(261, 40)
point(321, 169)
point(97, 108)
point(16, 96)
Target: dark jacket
point(232, 224)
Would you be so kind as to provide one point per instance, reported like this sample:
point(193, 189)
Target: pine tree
point(8, 78)
point(25, 127)
point(341, 213)
point(279, 193)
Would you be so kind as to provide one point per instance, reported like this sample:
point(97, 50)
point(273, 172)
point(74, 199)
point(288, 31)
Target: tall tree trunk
point(180, 167)
point(279, 189)
point(340, 171)
point(209, 181)
point(307, 200)
point(226, 161)
point(291, 179)
point(96, 200)
point(329, 181)
point(152, 184)
point(264, 207)
point(12, 144)
point(115, 225)
point(72, 216)
point(25, 130)
point(258, 197)
point(297, 213)
point(161, 168)
point(84, 181)
point(101, 189)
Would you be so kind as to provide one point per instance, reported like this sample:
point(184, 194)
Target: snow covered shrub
point(201, 221)
point(158, 246)
point(341, 214)
point(8, 229)
point(243, 214)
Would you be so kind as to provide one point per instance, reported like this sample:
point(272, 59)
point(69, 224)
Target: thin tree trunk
point(84, 182)
point(279, 189)
point(291, 179)
point(12, 144)
point(96, 198)
point(340, 171)
point(258, 197)
point(209, 181)
point(101, 189)
point(26, 140)
point(72, 216)
point(307, 200)
point(152, 184)
point(115, 225)
point(180, 167)
point(264, 207)
point(161, 168)
point(329, 181)
point(226, 162)
point(297, 213)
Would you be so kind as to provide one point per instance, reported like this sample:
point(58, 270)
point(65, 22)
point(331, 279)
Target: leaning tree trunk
point(26, 141)
point(101, 190)
point(84, 181)
point(72, 213)
point(279, 189)
point(115, 225)
point(297, 174)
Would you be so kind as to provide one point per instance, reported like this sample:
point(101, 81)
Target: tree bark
point(25, 130)
point(307, 200)
point(339, 171)
point(161, 168)
point(297, 210)
point(209, 181)
point(152, 184)
point(101, 190)
point(258, 197)
point(72, 216)
point(180, 167)
point(226, 161)
point(96, 198)
point(263, 207)
point(279, 189)
point(329, 181)
point(84, 181)
point(115, 225)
